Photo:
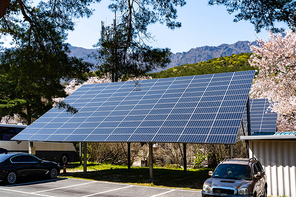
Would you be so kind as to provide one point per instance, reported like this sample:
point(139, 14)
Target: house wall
point(278, 159)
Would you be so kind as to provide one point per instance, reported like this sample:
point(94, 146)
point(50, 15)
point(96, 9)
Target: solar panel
point(191, 109)
point(262, 119)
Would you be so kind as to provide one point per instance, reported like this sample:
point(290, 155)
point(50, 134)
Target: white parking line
point(12, 190)
point(29, 183)
point(163, 193)
point(63, 187)
point(108, 191)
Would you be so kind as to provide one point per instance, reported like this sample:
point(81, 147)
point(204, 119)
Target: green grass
point(162, 177)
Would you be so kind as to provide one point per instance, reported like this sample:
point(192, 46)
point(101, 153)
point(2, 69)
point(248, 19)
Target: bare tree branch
point(3, 7)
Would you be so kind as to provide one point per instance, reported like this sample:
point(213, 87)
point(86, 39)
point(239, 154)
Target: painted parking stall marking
point(22, 192)
point(109, 191)
point(163, 193)
point(63, 187)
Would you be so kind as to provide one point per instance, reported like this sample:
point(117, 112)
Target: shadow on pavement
point(162, 177)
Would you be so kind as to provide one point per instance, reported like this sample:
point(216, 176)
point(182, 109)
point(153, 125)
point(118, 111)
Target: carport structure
point(191, 109)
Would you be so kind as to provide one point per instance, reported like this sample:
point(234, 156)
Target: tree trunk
point(3, 7)
point(29, 114)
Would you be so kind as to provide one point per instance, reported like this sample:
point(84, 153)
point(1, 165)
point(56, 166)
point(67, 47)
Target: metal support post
point(248, 121)
point(151, 161)
point(248, 117)
point(128, 155)
point(30, 145)
point(185, 159)
point(31, 148)
point(80, 152)
point(85, 158)
point(231, 151)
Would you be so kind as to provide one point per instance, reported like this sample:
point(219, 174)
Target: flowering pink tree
point(276, 80)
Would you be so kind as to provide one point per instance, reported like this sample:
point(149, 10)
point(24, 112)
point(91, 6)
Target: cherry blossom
point(276, 79)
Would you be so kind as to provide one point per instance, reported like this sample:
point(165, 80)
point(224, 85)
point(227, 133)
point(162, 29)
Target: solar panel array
point(192, 109)
point(262, 119)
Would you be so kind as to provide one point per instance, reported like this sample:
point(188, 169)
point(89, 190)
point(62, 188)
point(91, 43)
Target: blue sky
point(202, 25)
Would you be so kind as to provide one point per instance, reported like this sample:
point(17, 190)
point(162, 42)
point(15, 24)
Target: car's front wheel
point(53, 173)
point(11, 177)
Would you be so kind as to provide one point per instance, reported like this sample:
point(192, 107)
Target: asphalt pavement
point(63, 187)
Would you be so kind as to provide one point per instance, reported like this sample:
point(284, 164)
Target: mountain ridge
point(83, 53)
point(194, 55)
point(204, 53)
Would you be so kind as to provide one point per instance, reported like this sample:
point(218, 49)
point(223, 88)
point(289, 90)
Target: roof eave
point(269, 137)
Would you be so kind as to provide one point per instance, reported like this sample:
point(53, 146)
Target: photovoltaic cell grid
point(192, 109)
point(262, 119)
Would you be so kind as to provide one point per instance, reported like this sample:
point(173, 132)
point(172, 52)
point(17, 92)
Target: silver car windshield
point(233, 171)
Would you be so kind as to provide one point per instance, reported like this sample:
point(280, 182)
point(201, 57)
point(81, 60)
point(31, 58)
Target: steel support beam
point(231, 151)
point(248, 117)
point(185, 158)
point(80, 152)
point(31, 145)
point(248, 121)
point(151, 161)
point(84, 158)
point(128, 155)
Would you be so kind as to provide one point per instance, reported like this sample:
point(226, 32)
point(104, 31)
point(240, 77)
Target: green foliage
point(262, 14)
point(68, 107)
point(172, 166)
point(236, 62)
point(61, 12)
point(138, 14)
point(123, 51)
point(124, 58)
point(31, 73)
point(199, 158)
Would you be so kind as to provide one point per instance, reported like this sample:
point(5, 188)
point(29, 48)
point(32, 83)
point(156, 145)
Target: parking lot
point(83, 188)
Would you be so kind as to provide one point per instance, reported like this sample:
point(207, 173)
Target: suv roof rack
point(227, 159)
point(238, 159)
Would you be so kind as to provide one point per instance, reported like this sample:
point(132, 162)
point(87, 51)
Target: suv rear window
point(233, 171)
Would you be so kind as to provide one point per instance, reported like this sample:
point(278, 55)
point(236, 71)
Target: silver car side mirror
point(258, 176)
